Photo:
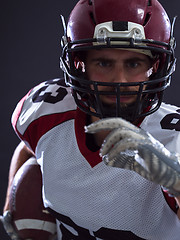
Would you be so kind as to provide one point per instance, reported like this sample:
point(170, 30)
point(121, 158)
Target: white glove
point(6, 219)
point(130, 147)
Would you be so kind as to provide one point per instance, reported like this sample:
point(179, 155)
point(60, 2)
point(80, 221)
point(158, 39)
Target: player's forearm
point(21, 155)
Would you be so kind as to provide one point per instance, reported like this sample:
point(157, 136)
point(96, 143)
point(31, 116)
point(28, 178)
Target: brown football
point(30, 218)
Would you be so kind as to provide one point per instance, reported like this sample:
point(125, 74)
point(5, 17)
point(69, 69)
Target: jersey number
point(43, 94)
point(71, 231)
point(171, 121)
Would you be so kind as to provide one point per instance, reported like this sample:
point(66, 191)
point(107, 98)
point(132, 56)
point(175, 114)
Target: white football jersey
point(89, 199)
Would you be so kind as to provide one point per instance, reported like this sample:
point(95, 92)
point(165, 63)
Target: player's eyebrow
point(137, 59)
point(99, 59)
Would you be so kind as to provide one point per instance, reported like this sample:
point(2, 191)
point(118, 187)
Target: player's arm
point(149, 157)
point(21, 154)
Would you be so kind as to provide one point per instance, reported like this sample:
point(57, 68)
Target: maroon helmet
point(137, 25)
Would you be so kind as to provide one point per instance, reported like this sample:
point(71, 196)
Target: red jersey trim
point(43, 124)
point(171, 202)
point(92, 158)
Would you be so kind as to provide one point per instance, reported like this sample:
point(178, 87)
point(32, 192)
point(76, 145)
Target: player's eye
point(136, 66)
point(105, 63)
point(133, 64)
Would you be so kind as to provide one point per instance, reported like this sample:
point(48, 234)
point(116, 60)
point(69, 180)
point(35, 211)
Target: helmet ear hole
point(79, 65)
point(156, 66)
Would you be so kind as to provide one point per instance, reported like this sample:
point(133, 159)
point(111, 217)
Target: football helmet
point(134, 25)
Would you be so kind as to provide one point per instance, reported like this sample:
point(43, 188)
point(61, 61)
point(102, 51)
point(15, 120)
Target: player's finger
point(117, 136)
point(108, 124)
point(122, 146)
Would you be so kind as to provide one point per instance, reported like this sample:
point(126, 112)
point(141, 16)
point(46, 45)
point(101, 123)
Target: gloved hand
point(6, 219)
point(132, 148)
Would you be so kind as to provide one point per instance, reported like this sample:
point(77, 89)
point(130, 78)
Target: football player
point(107, 145)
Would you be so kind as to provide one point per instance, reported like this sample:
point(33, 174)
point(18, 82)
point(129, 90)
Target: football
point(31, 220)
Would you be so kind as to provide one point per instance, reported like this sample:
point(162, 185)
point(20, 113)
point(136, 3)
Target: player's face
point(121, 66)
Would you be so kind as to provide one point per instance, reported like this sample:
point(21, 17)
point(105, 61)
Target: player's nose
point(120, 75)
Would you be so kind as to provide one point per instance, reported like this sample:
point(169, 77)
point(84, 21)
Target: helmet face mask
point(117, 32)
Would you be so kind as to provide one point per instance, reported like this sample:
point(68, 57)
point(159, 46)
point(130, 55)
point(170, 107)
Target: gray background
point(29, 53)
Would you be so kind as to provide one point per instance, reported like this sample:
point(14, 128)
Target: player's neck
point(99, 136)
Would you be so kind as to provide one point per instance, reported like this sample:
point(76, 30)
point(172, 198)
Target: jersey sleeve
point(41, 109)
point(164, 125)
